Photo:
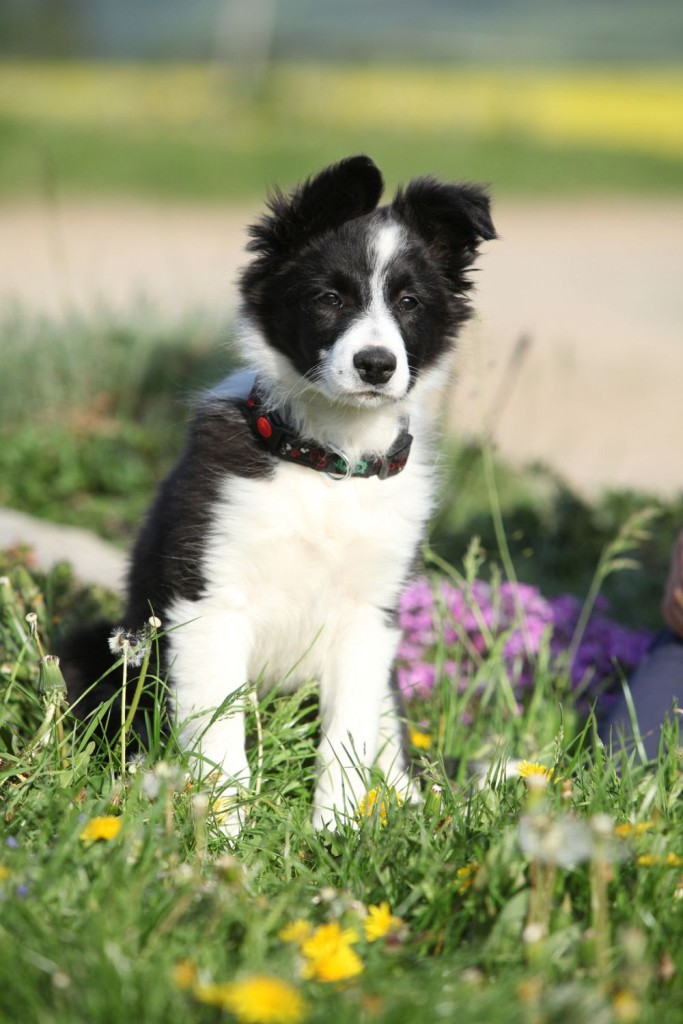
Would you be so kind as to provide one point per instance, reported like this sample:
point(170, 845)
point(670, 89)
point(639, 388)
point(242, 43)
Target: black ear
point(338, 194)
point(453, 219)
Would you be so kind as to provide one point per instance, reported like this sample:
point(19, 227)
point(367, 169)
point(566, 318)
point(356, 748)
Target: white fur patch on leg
point(209, 650)
point(352, 695)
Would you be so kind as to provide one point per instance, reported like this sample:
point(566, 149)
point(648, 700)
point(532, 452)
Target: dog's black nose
point(375, 364)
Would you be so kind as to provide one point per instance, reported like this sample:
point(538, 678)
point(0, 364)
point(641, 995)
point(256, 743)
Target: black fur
point(317, 241)
point(166, 559)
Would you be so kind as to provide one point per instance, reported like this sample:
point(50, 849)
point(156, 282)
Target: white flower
point(130, 646)
point(163, 777)
point(564, 842)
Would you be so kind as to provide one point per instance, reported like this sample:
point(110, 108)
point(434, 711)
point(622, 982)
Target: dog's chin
point(362, 397)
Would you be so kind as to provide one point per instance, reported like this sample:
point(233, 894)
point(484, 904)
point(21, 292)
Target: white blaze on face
point(374, 326)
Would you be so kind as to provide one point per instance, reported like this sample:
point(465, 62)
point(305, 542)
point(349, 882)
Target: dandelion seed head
point(602, 826)
point(119, 641)
point(229, 869)
point(534, 933)
point(563, 841)
point(151, 786)
point(131, 646)
point(199, 806)
point(135, 763)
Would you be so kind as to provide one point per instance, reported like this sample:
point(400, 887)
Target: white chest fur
point(297, 553)
point(302, 573)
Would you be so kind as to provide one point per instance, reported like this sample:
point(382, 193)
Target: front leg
point(354, 689)
point(208, 657)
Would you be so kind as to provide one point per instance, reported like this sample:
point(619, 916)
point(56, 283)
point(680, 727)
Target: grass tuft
point(497, 895)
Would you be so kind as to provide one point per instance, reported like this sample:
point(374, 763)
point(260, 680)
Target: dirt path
point(593, 286)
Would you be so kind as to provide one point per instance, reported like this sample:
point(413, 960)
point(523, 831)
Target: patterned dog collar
point(273, 432)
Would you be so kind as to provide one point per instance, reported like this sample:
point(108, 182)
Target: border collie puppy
point(278, 547)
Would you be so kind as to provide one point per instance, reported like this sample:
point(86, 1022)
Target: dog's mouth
point(359, 394)
point(367, 396)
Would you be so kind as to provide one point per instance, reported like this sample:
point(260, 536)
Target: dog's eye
point(407, 303)
point(330, 299)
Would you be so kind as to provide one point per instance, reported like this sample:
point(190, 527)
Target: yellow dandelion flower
point(626, 1005)
point(296, 931)
point(256, 1000)
point(372, 803)
point(670, 860)
point(379, 922)
point(184, 973)
point(630, 828)
point(526, 769)
point(337, 965)
point(328, 937)
point(367, 804)
point(530, 990)
point(328, 953)
point(107, 827)
point(465, 875)
point(418, 738)
point(4, 873)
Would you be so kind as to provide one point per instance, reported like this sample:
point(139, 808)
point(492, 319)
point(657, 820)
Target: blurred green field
point(207, 132)
point(93, 412)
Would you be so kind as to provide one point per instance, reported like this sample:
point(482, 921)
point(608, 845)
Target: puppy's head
point(358, 299)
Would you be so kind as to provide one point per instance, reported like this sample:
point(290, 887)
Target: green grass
point(91, 413)
point(91, 161)
point(97, 931)
point(198, 132)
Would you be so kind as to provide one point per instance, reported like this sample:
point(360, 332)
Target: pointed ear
point(341, 192)
point(452, 219)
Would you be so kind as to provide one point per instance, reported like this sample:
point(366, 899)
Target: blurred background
point(137, 139)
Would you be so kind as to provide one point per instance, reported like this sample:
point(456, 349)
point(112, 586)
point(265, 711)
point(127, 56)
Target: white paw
point(331, 808)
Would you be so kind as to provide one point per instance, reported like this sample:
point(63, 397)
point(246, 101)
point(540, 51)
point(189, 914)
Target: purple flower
point(417, 680)
point(467, 620)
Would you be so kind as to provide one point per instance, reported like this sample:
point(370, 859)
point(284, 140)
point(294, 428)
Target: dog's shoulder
point(220, 441)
